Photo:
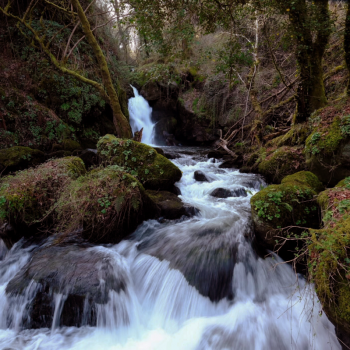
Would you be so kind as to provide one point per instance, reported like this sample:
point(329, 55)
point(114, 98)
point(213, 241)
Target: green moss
point(344, 183)
point(107, 203)
point(28, 197)
point(282, 162)
point(286, 204)
point(296, 136)
point(325, 140)
point(153, 170)
point(14, 156)
point(305, 178)
point(70, 145)
point(329, 269)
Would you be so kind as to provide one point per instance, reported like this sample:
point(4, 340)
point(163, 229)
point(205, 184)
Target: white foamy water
point(140, 117)
point(193, 284)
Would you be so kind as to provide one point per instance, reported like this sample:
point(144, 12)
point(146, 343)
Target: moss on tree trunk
point(311, 39)
point(120, 121)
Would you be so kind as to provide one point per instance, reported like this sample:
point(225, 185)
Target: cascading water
point(140, 117)
point(191, 284)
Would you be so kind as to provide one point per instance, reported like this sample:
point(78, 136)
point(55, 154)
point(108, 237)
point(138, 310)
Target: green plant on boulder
point(18, 158)
point(290, 204)
point(282, 162)
point(108, 204)
point(153, 170)
point(27, 199)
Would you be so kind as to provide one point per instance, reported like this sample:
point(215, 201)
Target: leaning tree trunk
point(310, 50)
point(121, 123)
point(347, 43)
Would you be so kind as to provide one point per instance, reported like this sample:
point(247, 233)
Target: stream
point(188, 284)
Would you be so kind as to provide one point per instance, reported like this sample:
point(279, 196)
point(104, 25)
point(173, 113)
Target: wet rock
point(171, 155)
point(225, 193)
point(163, 128)
point(85, 276)
point(217, 154)
point(59, 154)
point(8, 235)
point(228, 164)
point(171, 206)
point(159, 150)
point(176, 191)
point(200, 176)
point(89, 157)
point(19, 158)
point(151, 91)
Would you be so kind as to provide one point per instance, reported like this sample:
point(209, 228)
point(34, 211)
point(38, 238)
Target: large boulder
point(290, 204)
point(108, 204)
point(19, 158)
point(153, 170)
point(85, 276)
point(329, 257)
point(327, 149)
point(28, 198)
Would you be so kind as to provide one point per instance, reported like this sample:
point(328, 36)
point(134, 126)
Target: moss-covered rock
point(327, 149)
point(282, 162)
point(153, 170)
point(108, 204)
point(329, 267)
point(290, 204)
point(305, 178)
point(19, 158)
point(28, 198)
point(329, 256)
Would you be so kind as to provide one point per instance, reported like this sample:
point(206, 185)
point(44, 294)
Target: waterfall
point(140, 117)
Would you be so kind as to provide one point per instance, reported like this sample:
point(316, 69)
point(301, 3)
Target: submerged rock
point(153, 170)
point(200, 176)
point(217, 154)
point(84, 277)
point(170, 206)
point(224, 193)
point(19, 158)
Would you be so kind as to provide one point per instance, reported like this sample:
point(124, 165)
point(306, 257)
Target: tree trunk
point(121, 123)
point(311, 91)
point(347, 44)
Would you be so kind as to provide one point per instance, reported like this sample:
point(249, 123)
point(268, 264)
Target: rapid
point(191, 284)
